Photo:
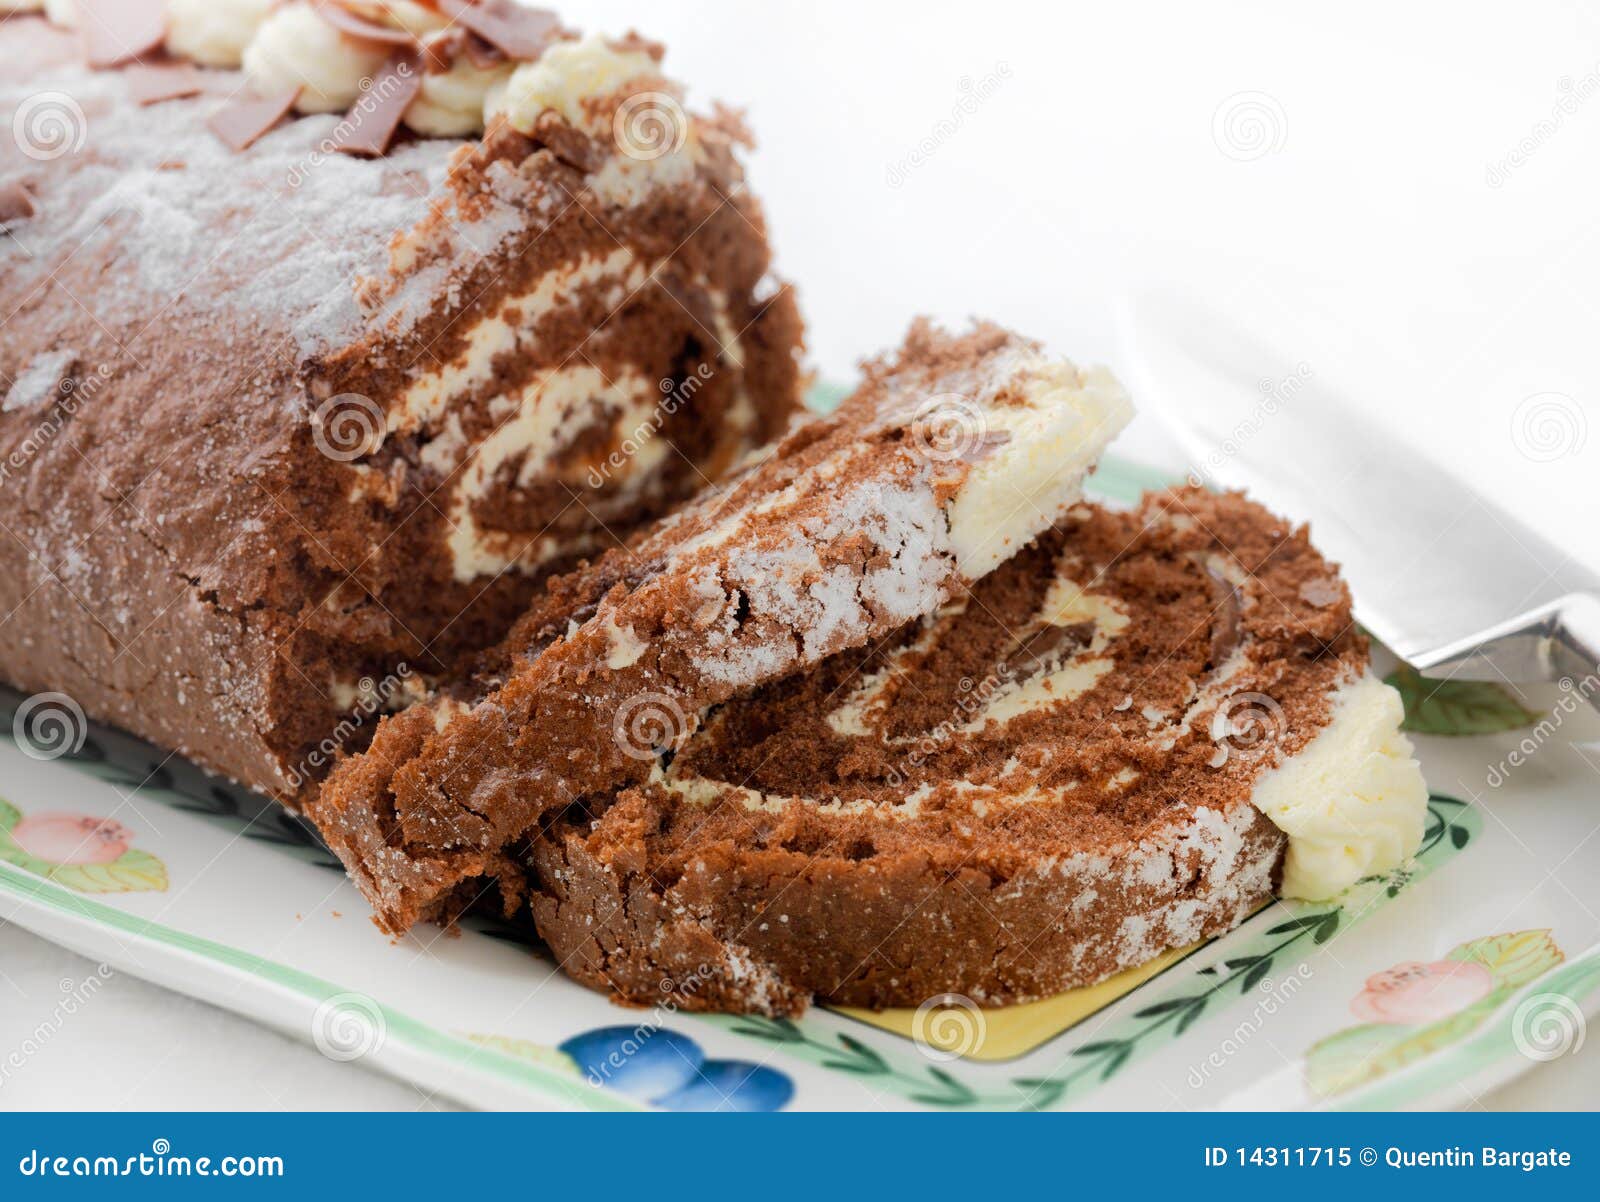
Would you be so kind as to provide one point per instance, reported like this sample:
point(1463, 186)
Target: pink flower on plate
point(72, 838)
point(1413, 992)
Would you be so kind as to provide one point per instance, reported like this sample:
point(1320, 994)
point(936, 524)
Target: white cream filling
point(1353, 801)
point(655, 142)
point(1066, 604)
point(451, 102)
point(1064, 422)
point(494, 337)
point(214, 33)
point(567, 75)
point(295, 48)
point(537, 424)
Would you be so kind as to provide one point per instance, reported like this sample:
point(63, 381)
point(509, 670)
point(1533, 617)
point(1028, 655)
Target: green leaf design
point(951, 1092)
point(1513, 959)
point(1360, 1054)
point(1457, 707)
point(1357, 1055)
point(1258, 973)
point(1040, 1093)
point(134, 871)
point(773, 1030)
point(9, 815)
point(1189, 1017)
point(858, 1058)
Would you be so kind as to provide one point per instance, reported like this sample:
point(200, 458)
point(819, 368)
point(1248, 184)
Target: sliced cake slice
point(951, 456)
point(1123, 740)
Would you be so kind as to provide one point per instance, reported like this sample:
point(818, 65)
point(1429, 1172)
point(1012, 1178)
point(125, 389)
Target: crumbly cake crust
point(836, 536)
point(930, 816)
point(186, 327)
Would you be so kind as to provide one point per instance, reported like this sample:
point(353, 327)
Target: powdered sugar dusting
point(282, 233)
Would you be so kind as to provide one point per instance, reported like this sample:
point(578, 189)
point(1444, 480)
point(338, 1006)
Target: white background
point(1100, 163)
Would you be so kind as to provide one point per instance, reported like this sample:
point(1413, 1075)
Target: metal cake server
point(1449, 582)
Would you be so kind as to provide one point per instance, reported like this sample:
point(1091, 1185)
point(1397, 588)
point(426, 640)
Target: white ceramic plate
point(1422, 990)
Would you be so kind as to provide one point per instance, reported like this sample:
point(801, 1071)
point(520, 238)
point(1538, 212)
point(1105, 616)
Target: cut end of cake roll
point(332, 419)
point(838, 534)
point(1123, 740)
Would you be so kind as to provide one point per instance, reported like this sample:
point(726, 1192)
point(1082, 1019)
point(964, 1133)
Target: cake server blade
point(1446, 579)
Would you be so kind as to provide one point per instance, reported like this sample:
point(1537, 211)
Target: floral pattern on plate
point(1416, 1008)
point(85, 853)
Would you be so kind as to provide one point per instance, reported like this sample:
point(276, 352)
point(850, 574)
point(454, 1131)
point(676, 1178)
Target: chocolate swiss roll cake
point(952, 455)
point(1123, 740)
point(330, 331)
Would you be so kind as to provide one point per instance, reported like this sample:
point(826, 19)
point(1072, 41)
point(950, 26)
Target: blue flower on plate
point(668, 1069)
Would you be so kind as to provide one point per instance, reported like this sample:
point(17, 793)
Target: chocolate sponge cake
point(1123, 740)
point(951, 456)
point(297, 398)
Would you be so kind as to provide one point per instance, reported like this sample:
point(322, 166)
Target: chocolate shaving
point(354, 25)
point(570, 145)
point(15, 205)
point(247, 117)
point(370, 125)
point(444, 49)
point(1034, 651)
point(151, 83)
point(522, 33)
point(1227, 625)
point(121, 31)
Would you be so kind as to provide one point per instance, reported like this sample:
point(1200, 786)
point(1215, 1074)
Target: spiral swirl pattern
point(948, 1026)
point(49, 125)
point(1249, 125)
point(649, 125)
point(348, 427)
point(647, 723)
point(1548, 1026)
point(348, 1026)
point(48, 726)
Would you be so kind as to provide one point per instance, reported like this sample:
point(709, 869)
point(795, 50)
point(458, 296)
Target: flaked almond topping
point(246, 117)
point(521, 33)
point(354, 24)
point(370, 125)
point(121, 31)
point(151, 83)
point(15, 205)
